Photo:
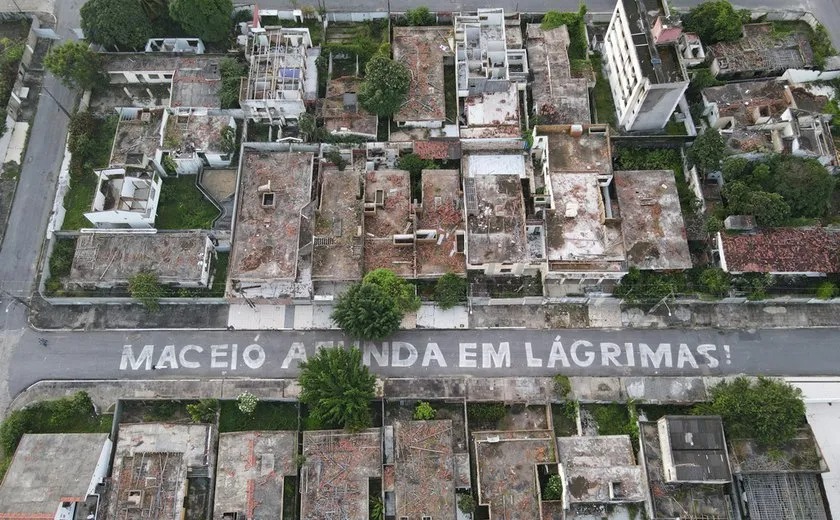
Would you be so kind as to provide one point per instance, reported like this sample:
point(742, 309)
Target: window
point(167, 76)
point(154, 76)
point(268, 200)
point(505, 270)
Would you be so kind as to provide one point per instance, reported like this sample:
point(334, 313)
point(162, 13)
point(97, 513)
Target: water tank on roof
point(576, 130)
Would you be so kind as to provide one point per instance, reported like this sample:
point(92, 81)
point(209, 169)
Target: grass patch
point(450, 95)
point(269, 415)
point(485, 416)
point(675, 128)
point(604, 105)
point(183, 206)
point(60, 263)
point(615, 419)
point(564, 416)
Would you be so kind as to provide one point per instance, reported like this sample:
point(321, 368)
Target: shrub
point(489, 412)
point(553, 488)
point(203, 411)
point(335, 157)
point(562, 386)
point(715, 281)
point(466, 503)
point(145, 288)
point(247, 403)
point(337, 388)
point(424, 411)
point(450, 290)
point(826, 291)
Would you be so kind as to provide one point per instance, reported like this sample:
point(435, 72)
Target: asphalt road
point(478, 353)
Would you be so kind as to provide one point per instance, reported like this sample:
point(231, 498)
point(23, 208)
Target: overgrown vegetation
point(485, 415)
point(424, 411)
point(268, 415)
point(575, 23)
point(203, 411)
point(562, 386)
point(231, 71)
point(183, 206)
point(11, 52)
point(553, 488)
point(146, 289)
point(602, 94)
point(616, 419)
point(414, 165)
point(418, 16)
point(76, 65)
point(367, 311)
point(466, 503)
point(716, 21)
point(385, 87)
point(450, 290)
point(767, 410)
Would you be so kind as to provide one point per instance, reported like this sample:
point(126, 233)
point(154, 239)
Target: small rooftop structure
point(780, 496)
point(761, 52)
point(195, 79)
point(274, 189)
point(748, 103)
point(54, 474)
point(441, 149)
point(192, 133)
point(335, 476)
point(574, 148)
point(813, 251)
point(138, 137)
point(124, 199)
point(422, 50)
point(506, 474)
point(180, 258)
point(342, 112)
point(424, 469)
point(177, 45)
point(492, 115)
point(278, 69)
point(600, 470)
point(558, 97)
point(249, 479)
point(800, 454)
point(153, 463)
point(694, 449)
point(651, 220)
point(339, 231)
point(739, 223)
point(388, 226)
point(440, 225)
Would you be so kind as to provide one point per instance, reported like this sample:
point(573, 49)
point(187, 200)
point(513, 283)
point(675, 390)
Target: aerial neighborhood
point(357, 185)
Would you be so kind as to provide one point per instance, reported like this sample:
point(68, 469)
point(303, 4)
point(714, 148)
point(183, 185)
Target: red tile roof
point(790, 250)
point(432, 149)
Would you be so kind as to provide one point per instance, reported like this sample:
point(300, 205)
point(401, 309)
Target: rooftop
point(334, 478)
point(578, 232)
point(659, 63)
point(441, 211)
point(151, 463)
point(746, 102)
point(442, 149)
point(694, 449)
point(558, 98)
point(651, 220)
point(387, 197)
point(274, 188)
point(496, 229)
point(492, 115)
point(762, 51)
point(190, 133)
point(251, 467)
point(138, 136)
point(422, 51)
point(425, 469)
point(175, 257)
point(341, 110)
point(507, 478)
point(601, 469)
point(195, 78)
point(779, 496)
point(48, 469)
point(588, 152)
point(673, 500)
point(277, 61)
point(782, 250)
point(338, 243)
point(802, 453)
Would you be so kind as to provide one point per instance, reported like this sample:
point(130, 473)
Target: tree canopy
point(385, 87)
point(707, 151)
point(337, 388)
point(402, 291)
point(715, 21)
point(210, 20)
point(115, 23)
point(367, 311)
point(766, 410)
point(450, 290)
point(419, 16)
point(75, 65)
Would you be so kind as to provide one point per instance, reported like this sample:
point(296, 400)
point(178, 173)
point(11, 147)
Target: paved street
point(484, 353)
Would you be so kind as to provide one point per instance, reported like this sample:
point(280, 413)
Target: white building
point(643, 64)
point(281, 73)
point(125, 199)
point(198, 138)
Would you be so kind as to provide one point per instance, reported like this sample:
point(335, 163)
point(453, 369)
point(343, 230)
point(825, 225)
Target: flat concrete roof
point(651, 220)
point(48, 469)
point(336, 473)
point(507, 478)
point(594, 464)
point(137, 137)
point(496, 233)
point(589, 152)
point(341, 109)
point(113, 258)
point(422, 50)
point(492, 115)
point(425, 469)
point(338, 246)
point(392, 217)
point(250, 471)
point(267, 227)
point(442, 211)
point(163, 451)
point(188, 134)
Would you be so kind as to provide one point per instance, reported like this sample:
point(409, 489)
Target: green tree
point(203, 411)
point(231, 72)
point(402, 291)
point(805, 185)
point(767, 410)
point(419, 16)
point(769, 209)
point(367, 311)
point(707, 151)
point(385, 87)
point(247, 403)
point(75, 65)
point(715, 21)
point(145, 288)
point(715, 281)
point(736, 169)
point(116, 23)
point(450, 290)
point(821, 45)
point(210, 20)
point(424, 411)
point(575, 24)
point(337, 388)
point(307, 125)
